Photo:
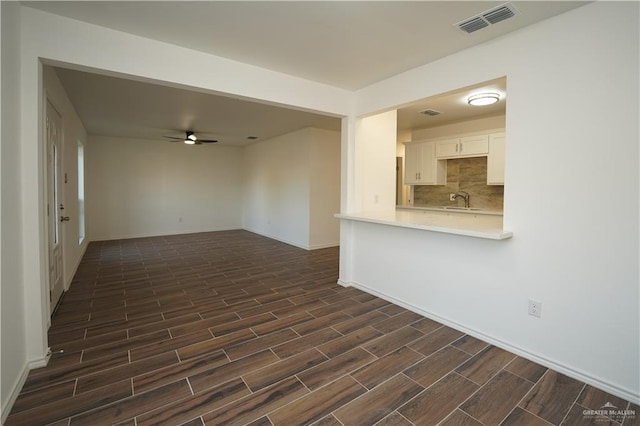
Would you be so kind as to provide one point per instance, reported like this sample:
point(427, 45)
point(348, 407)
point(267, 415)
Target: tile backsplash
point(463, 174)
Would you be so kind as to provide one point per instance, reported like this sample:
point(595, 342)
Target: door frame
point(52, 209)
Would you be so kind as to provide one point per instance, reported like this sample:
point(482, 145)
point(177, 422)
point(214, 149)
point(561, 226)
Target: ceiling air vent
point(486, 18)
point(499, 14)
point(473, 24)
point(430, 112)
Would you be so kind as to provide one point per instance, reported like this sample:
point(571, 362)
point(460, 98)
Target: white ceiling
point(341, 43)
point(131, 109)
point(348, 44)
point(453, 106)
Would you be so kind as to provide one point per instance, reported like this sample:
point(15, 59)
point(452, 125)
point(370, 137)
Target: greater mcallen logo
point(609, 412)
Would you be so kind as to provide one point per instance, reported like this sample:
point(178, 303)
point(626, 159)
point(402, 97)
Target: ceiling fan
point(191, 139)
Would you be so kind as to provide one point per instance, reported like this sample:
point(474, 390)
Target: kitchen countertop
point(451, 209)
point(471, 223)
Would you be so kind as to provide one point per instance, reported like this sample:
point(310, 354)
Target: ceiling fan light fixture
point(190, 139)
point(482, 99)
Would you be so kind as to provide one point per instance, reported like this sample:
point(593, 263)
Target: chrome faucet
point(464, 195)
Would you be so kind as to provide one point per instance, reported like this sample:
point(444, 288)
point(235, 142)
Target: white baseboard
point(156, 234)
point(613, 389)
point(323, 246)
point(344, 283)
point(17, 386)
point(15, 391)
point(282, 240)
point(273, 237)
point(295, 244)
point(40, 362)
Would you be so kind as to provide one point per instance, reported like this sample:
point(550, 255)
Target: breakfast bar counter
point(472, 223)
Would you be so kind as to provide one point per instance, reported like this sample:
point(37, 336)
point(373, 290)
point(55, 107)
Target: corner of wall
point(12, 308)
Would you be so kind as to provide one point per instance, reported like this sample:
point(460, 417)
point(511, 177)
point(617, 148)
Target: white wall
point(291, 188)
point(324, 192)
point(138, 188)
point(13, 357)
point(286, 188)
point(571, 200)
point(276, 188)
point(73, 131)
point(375, 175)
point(14, 343)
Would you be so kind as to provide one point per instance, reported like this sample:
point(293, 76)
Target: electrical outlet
point(535, 308)
point(452, 197)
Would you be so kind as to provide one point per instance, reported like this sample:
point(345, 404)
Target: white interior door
point(55, 207)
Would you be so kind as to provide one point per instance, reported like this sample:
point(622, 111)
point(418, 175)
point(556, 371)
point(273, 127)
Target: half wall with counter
point(472, 223)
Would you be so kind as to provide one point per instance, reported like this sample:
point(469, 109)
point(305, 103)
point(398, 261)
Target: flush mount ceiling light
point(482, 99)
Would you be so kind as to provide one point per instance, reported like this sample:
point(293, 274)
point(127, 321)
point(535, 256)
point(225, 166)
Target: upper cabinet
point(426, 161)
point(467, 146)
point(421, 165)
point(495, 159)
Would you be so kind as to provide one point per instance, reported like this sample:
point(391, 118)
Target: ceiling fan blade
point(207, 140)
point(174, 138)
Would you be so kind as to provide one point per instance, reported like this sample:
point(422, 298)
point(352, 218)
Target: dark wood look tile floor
point(234, 328)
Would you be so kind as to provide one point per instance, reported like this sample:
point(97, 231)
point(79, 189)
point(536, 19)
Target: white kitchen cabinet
point(421, 166)
point(495, 159)
point(464, 147)
point(412, 163)
point(447, 148)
